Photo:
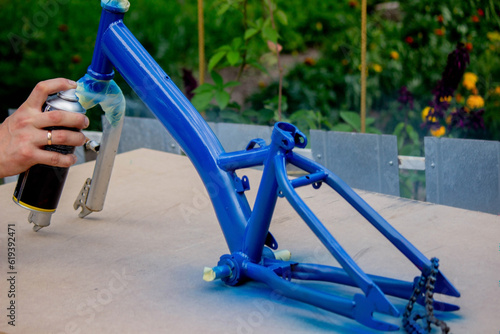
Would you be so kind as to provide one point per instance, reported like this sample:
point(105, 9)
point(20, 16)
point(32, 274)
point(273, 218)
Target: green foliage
point(206, 92)
point(353, 123)
point(45, 39)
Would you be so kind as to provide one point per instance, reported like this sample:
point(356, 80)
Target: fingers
point(60, 137)
point(55, 159)
point(61, 118)
point(45, 88)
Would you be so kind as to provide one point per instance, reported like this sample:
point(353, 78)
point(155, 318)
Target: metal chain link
point(410, 322)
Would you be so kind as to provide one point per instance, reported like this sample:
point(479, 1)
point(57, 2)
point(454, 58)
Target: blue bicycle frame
point(246, 229)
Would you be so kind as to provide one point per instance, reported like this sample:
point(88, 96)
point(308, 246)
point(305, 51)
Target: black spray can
point(39, 188)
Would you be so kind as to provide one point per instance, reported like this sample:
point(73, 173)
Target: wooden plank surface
point(136, 267)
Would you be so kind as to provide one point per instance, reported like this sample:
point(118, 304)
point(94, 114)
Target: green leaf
point(236, 43)
point(250, 33)
point(217, 78)
point(222, 99)
point(223, 8)
point(215, 60)
point(281, 17)
point(231, 116)
point(369, 121)
point(342, 127)
point(202, 100)
point(233, 57)
point(257, 65)
point(371, 129)
point(205, 88)
point(259, 23)
point(412, 134)
point(352, 119)
point(231, 84)
point(226, 48)
point(269, 34)
point(398, 129)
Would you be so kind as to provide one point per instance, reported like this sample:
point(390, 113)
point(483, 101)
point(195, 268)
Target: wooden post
point(201, 43)
point(363, 66)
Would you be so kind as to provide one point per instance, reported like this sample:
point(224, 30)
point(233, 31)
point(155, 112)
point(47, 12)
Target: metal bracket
point(257, 141)
point(81, 199)
point(242, 184)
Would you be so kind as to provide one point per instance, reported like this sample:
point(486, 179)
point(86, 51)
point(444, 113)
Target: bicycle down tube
point(246, 229)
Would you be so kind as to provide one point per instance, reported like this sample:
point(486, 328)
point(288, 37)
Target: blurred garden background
point(433, 67)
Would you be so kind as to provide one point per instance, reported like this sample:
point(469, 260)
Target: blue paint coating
point(106, 93)
point(118, 6)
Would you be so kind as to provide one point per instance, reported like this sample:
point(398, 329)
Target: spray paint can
point(39, 188)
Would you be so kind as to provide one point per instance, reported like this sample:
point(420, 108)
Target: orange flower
point(377, 68)
point(470, 80)
point(425, 114)
point(439, 32)
point(309, 61)
point(475, 102)
point(468, 46)
point(475, 18)
point(438, 132)
point(459, 98)
point(394, 55)
point(440, 18)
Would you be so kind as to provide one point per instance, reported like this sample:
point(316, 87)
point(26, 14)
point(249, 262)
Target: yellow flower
point(445, 98)
point(497, 90)
point(377, 68)
point(470, 80)
point(448, 119)
point(438, 132)
point(475, 101)
point(319, 26)
point(394, 55)
point(493, 36)
point(425, 113)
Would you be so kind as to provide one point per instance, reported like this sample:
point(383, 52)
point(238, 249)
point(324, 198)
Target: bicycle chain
point(410, 322)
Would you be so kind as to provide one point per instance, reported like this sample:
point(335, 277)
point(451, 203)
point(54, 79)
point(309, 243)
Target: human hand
point(22, 135)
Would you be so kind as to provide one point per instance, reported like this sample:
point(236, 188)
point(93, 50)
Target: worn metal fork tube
point(183, 122)
point(103, 168)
